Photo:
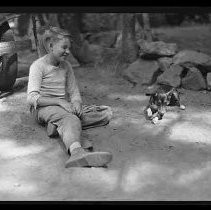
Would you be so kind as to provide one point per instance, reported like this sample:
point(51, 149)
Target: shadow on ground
point(167, 161)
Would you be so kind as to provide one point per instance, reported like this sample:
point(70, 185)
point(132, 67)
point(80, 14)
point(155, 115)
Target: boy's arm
point(34, 83)
point(72, 86)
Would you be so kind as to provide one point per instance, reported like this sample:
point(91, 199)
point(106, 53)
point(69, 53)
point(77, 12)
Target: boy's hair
point(54, 33)
point(49, 33)
point(58, 34)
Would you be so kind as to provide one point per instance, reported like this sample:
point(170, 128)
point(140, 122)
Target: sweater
point(51, 81)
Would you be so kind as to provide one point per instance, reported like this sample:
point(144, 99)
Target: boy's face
point(61, 49)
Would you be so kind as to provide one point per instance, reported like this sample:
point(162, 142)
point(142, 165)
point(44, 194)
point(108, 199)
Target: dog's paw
point(182, 107)
point(155, 120)
point(149, 112)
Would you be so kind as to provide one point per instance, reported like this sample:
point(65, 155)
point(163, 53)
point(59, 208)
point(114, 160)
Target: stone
point(164, 63)
point(90, 53)
point(193, 57)
point(193, 80)
point(104, 39)
point(171, 76)
point(209, 80)
point(140, 72)
point(156, 49)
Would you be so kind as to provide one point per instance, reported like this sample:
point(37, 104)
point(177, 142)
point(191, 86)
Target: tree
point(143, 20)
point(129, 45)
point(147, 28)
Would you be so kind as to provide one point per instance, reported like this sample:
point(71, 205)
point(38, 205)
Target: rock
point(153, 50)
point(209, 80)
point(193, 57)
point(141, 71)
point(164, 63)
point(171, 76)
point(90, 53)
point(104, 39)
point(73, 60)
point(193, 80)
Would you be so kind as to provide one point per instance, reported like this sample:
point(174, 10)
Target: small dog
point(164, 96)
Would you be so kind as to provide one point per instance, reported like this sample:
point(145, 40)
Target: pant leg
point(95, 116)
point(68, 125)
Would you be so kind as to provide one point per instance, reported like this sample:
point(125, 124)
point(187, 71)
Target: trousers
point(68, 125)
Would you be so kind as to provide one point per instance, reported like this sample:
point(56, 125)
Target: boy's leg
point(53, 132)
point(69, 128)
point(68, 125)
point(95, 116)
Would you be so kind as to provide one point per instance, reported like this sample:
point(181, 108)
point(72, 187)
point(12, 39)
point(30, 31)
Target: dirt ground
point(167, 161)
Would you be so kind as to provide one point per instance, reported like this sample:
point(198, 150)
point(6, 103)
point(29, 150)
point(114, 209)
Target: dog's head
point(159, 101)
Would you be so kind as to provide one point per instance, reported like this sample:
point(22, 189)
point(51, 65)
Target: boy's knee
point(72, 120)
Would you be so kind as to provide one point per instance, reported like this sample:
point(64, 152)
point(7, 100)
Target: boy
point(55, 100)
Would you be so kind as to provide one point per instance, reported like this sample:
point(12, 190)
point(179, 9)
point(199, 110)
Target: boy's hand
point(67, 106)
point(77, 108)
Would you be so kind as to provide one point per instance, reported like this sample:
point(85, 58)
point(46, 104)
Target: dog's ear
point(154, 96)
point(150, 94)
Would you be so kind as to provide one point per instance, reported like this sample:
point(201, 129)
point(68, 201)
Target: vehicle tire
point(8, 62)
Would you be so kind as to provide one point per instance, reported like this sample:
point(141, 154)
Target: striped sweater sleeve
point(34, 83)
point(72, 85)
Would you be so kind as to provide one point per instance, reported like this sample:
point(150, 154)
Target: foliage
point(96, 22)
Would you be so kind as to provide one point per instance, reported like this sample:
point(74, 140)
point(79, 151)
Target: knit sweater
point(51, 81)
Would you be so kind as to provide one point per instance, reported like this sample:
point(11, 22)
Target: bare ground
point(167, 161)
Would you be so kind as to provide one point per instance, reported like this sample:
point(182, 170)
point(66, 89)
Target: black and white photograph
point(105, 105)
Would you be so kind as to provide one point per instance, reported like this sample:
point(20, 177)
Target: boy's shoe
point(80, 158)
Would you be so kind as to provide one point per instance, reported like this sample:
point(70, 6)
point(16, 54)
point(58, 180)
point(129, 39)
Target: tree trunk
point(147, 28)
point(119, 22)
point(23, 24)
point(41, 19)
point(53, 20)
point(129, 46)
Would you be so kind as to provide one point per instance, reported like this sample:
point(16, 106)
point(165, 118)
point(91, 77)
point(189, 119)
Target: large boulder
point(196, 58)
point(153, 50)
point(172, 76)
point(193, 80)
point(141, 72)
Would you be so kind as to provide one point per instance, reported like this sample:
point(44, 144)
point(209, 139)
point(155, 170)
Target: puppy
point(164, 96)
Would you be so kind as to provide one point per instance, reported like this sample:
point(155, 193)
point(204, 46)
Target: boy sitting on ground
point(55, 100)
